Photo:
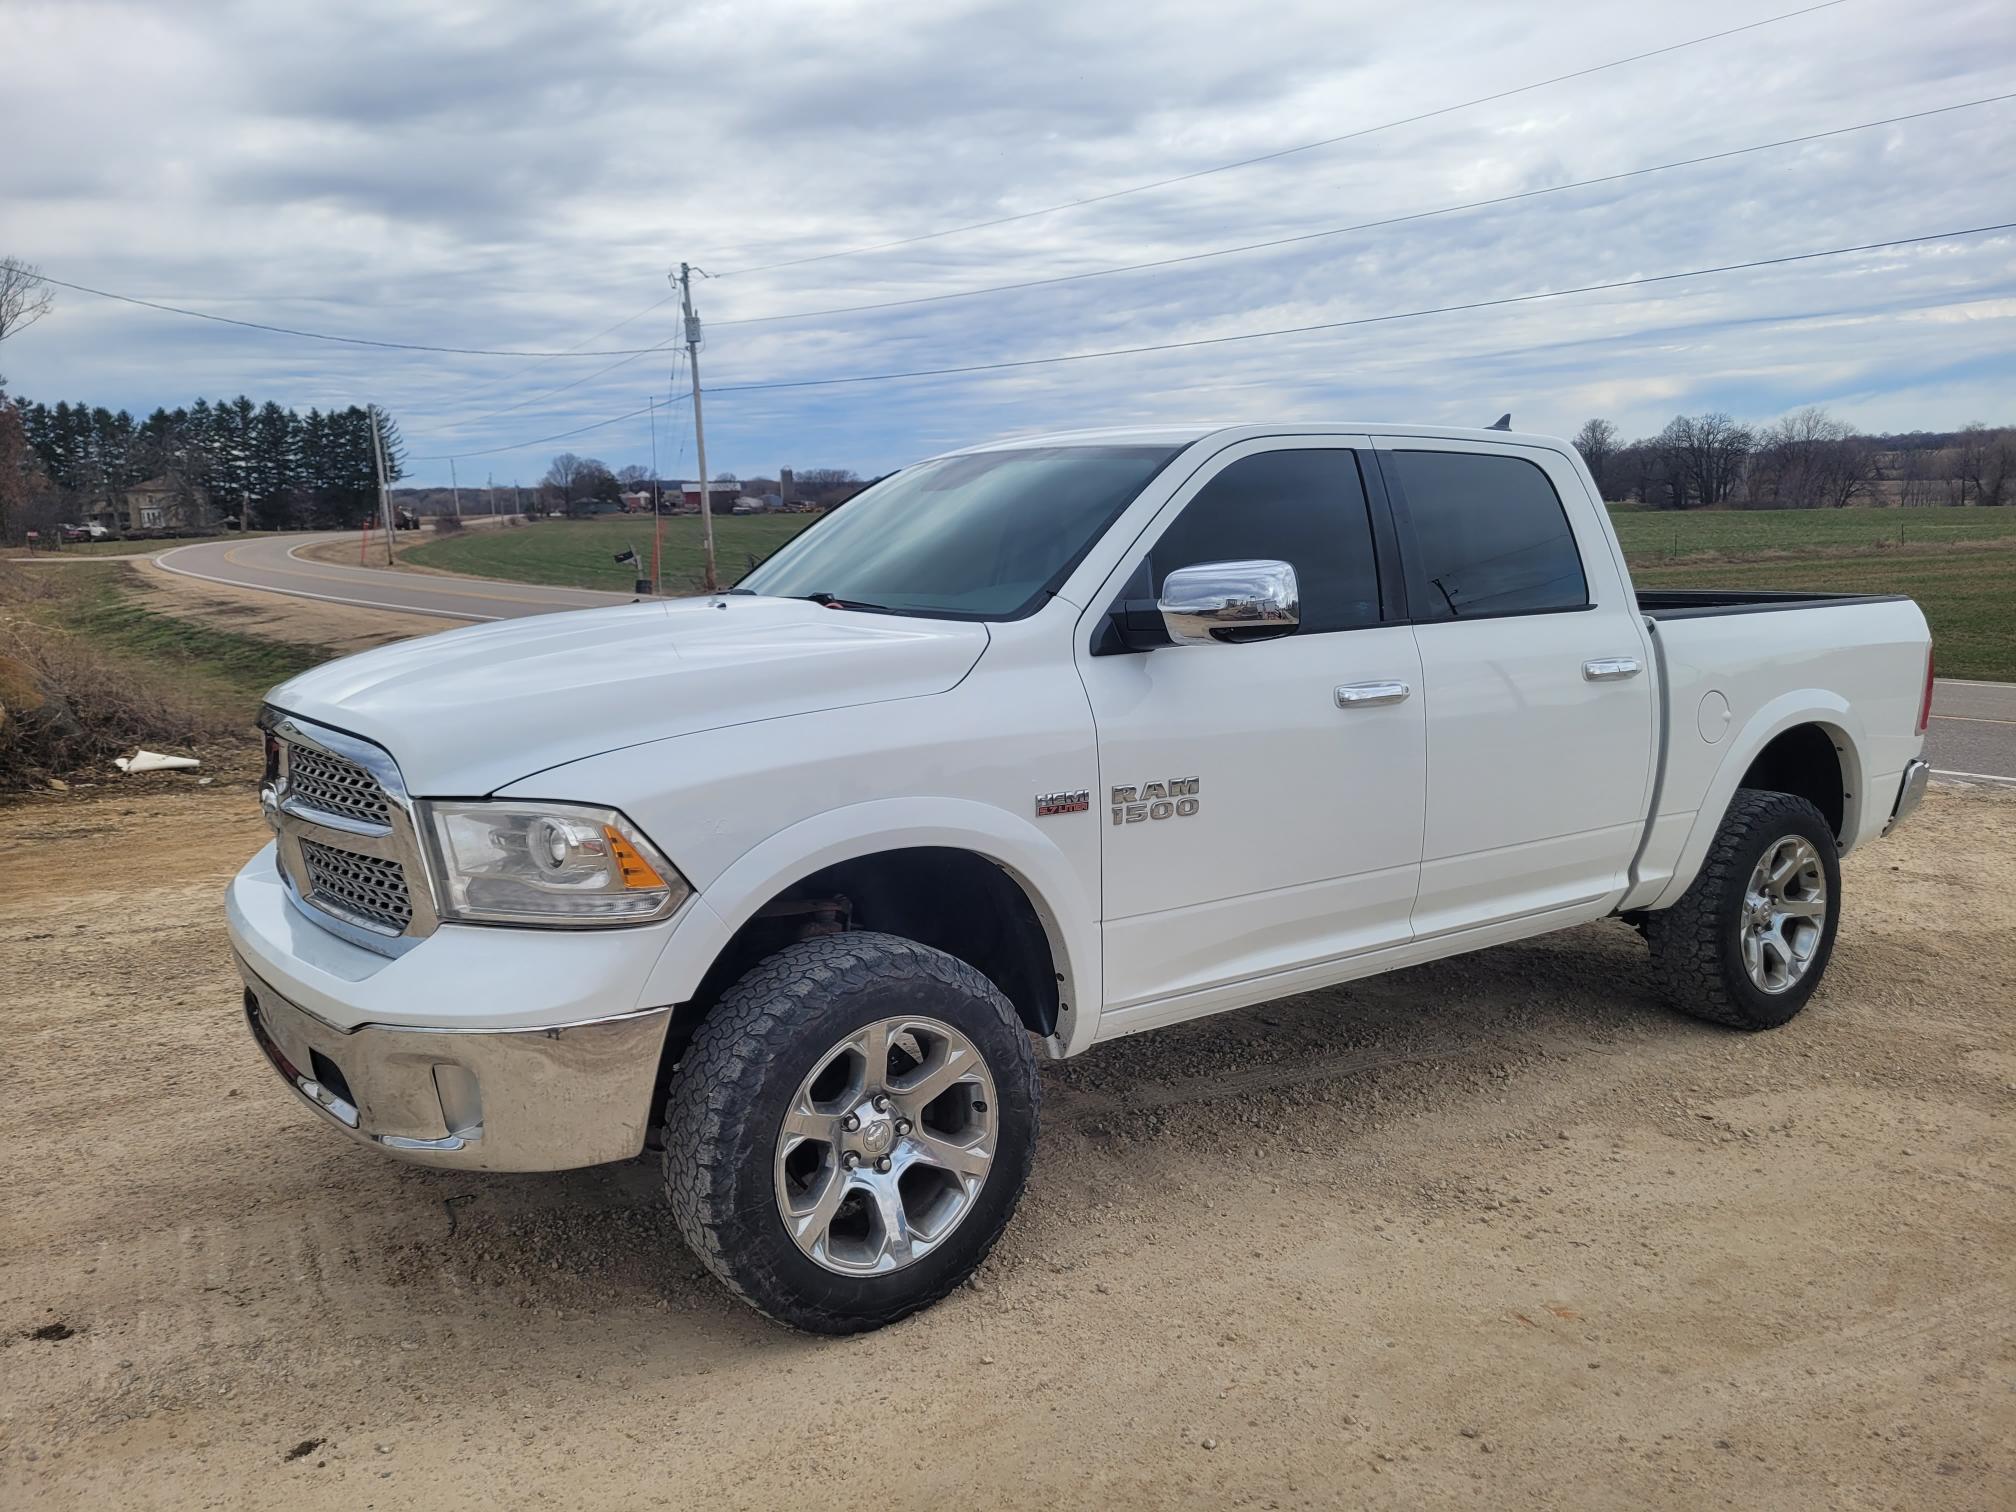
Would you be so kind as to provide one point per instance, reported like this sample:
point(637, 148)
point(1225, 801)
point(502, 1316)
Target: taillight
point(1925, 704)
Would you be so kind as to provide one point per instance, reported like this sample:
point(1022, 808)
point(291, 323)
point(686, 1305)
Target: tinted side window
point(1490, 535)
point(1305, 508)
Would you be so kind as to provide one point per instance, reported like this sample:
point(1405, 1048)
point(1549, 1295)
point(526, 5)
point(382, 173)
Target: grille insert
point(364, 889)
point(336, 786)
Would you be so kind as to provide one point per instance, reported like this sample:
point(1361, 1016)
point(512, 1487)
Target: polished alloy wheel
point(885, 1146)
point(1784, 913)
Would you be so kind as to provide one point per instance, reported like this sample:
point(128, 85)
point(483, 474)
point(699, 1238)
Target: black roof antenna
point(1503, 422)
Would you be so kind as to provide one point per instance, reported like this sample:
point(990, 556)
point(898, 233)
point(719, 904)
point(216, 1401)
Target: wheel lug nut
point(881, 1102)
point(902, 1126)
point(883, 1164)
point(850, 1160)
point(851, 1122)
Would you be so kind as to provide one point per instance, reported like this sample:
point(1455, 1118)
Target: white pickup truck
point(1031, 746)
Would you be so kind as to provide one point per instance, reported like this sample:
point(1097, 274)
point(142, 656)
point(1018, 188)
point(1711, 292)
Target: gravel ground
point(1500, 1232)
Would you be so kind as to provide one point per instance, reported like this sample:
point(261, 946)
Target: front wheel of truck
point(850, 1130)
point(1748, 942)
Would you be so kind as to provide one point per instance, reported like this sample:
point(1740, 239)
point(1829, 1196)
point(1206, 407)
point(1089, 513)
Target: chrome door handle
point(1611, 668)
point(1370, 695)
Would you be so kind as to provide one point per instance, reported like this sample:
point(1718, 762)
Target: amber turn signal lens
point(636, 871)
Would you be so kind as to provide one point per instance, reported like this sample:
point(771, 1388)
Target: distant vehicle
point(91, 532)
point(1035, 746)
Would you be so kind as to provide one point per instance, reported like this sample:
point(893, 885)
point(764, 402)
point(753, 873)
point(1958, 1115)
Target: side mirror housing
point(1218, 602)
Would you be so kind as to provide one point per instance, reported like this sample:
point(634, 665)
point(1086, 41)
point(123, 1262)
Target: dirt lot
point(1494, 1233)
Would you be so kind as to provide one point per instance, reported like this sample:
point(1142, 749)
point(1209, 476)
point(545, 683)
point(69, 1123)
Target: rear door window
point(1490, 536)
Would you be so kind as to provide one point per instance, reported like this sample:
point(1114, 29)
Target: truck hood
point(469, 711)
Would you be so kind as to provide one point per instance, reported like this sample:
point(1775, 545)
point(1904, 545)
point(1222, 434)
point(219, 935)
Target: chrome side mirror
point(1198, 602)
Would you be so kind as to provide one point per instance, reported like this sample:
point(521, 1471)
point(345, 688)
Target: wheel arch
point(1781, 742)
point(981, 853)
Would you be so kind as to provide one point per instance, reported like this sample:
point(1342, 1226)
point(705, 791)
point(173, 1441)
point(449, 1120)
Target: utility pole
point(384, 488)
point(657, 508)
point(517, 496)
point(455, 487)
point(490, 483)
point(708, 581)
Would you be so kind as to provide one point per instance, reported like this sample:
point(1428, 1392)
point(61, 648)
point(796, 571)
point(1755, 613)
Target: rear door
point(1254, 820)
point(1539, 699)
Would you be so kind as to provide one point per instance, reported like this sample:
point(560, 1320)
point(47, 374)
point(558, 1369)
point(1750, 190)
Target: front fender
point(1046, 877)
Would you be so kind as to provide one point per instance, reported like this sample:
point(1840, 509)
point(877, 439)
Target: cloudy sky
point(522, 176)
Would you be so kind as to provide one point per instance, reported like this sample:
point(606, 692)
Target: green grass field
point(581, 553)
point(1959, 564)
point(1654, 535)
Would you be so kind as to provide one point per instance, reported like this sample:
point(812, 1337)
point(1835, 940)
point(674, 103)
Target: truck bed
point(1699, 603)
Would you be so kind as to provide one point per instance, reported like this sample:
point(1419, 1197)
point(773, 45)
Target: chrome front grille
point(348, 844)
point(318, 780)
point(367, 890)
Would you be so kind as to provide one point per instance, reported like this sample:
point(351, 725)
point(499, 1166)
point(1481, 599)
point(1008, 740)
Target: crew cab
point(1031, 746)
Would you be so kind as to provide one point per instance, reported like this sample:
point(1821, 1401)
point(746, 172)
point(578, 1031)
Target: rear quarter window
point(1489, 536)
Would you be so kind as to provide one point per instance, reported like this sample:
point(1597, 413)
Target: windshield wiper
point(834, 601)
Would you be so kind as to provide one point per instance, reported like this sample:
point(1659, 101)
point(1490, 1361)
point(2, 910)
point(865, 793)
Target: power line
point(1363, 320)
point(1391, 220)
point(579, 430)
point(1301, 330)
point(1268, 157)
point(493, 388)
point(360, 341)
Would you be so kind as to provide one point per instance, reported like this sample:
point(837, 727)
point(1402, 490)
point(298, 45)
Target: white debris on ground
point(154, 761)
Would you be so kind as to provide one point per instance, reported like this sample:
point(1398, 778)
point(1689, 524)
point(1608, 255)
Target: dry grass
point(86, 675)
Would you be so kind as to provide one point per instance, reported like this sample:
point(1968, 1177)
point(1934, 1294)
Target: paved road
point(1973, 729)
point(268, 562)
point(1973, 724)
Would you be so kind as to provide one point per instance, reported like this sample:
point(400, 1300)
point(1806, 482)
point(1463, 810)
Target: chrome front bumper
point(1910, 793)
point(486, 1100)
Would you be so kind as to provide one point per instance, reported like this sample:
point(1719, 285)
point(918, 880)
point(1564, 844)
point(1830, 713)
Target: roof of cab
point(1184, 435)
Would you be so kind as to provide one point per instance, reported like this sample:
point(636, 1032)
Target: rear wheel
point(1749, 941)
point(850, 1130)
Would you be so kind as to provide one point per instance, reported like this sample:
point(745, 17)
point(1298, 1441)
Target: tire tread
point(722, 1071)
point(1687, 939)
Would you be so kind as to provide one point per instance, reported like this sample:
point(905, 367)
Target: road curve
point(269, 563)
point(1973, 731)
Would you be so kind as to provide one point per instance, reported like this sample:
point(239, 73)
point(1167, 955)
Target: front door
point(1254, 820)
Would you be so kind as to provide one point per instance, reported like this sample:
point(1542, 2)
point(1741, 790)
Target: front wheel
point(1748, 942)
point(850, 1130)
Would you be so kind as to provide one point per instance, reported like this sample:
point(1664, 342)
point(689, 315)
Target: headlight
point(548, 863)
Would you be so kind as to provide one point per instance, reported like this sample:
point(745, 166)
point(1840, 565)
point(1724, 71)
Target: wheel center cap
point(878, 1136)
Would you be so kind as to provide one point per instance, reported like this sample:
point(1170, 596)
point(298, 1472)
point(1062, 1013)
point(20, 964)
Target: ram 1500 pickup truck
point(1027, 747)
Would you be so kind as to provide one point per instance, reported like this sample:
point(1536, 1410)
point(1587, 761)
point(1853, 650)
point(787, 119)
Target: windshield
point(984, 535)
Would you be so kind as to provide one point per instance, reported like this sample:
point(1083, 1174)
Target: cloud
point(524, 176)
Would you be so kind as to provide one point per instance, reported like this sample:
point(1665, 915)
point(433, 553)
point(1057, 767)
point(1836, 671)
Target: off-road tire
point(1696, 944)
point(727, 1100)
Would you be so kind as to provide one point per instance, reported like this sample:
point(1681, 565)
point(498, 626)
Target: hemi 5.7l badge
point(1063, 803)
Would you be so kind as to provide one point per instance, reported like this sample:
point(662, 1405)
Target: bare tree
point(1597, 441)
point(24, 297)
point(564, 476)
point(1987, 464)
point(1810, 460)
point(633, 476)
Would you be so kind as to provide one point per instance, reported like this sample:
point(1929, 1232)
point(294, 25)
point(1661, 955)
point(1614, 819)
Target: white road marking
point(327, 598)
point(1976, 777)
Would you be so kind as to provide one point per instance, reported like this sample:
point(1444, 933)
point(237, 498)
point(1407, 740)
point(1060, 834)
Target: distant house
point(722, 496)
point(158, 504)
point(637, 501)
